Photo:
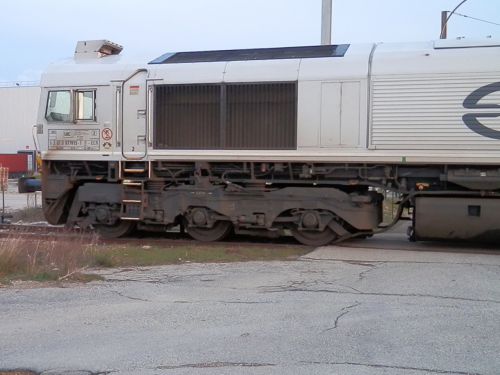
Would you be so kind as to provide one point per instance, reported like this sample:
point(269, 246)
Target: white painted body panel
point(98, 72)
point(418, 93)
point(106, 118)
point(335, 156)
point(354, 65)
point(262, 71)
point(332, 114)
point(425, 112)
point(421, 58)
point(406, 107)
point(212, 72)
point(133, 124)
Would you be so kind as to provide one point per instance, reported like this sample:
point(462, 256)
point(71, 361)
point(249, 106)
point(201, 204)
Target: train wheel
point(119, 229)
point(314, 238)
point(218, 232)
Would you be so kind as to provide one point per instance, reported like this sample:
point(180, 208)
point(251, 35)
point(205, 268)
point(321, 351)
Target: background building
point(18, 111)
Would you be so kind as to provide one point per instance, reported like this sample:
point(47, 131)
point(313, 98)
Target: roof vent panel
point(94, 49)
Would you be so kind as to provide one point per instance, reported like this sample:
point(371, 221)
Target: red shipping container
point(17, 163)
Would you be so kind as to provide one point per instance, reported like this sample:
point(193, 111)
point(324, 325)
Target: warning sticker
point(107, 134)
point(75, 140)
point(134, 90)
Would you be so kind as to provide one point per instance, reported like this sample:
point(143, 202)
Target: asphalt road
point(338, 310)
point(15, 201)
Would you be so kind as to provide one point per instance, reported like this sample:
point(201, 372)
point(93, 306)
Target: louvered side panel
point(427, 113)
point(261, 116)
point(232, 116)
point(187, 117)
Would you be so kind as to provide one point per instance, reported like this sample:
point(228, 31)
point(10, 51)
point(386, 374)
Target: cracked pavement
point(337, 310)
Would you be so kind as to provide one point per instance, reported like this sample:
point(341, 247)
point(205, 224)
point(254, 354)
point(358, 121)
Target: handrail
point(149, 114)
point(140, 70)
point(118, 116)
point(369, 85)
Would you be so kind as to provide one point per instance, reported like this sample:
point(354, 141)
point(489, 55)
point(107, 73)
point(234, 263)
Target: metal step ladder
point(135, 170)
point(133, 200)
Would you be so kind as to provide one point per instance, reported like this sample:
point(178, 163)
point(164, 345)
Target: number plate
point(74, 139)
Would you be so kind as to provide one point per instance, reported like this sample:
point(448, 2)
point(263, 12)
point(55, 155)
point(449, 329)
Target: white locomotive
point(271, 140)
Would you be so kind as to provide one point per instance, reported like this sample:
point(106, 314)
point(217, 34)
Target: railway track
point(170, 238)
point(386, 241)
point(27, 228)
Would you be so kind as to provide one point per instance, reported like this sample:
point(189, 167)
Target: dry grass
point(153, 255)
point(63, 259)
point(45, 259)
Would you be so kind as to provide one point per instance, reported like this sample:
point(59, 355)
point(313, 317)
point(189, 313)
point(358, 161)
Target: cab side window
point(85, 105)
point(59, 106)
point(71, 106)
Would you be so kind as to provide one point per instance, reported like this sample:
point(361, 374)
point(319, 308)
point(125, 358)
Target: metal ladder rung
point(132, 186)
point(134, 170)
point(131, 183)
point(132, 201)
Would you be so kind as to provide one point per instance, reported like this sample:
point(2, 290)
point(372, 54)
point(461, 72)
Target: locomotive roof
point(284, 64)
point(253, 54)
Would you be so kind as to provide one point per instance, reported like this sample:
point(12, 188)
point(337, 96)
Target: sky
point(34, 33)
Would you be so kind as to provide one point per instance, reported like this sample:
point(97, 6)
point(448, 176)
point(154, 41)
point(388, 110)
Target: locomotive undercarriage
point(316, 202)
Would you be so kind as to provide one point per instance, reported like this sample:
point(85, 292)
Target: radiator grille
point(261, 116)
point(187, 116)
point(226, 116)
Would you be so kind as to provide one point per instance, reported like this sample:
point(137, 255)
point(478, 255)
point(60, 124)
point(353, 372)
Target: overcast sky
point(34, 33)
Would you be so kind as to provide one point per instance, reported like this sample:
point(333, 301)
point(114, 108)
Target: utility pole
point(444, 24)
point(326, 22)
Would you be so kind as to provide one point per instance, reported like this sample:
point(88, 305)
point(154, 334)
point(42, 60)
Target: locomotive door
point(134, 115)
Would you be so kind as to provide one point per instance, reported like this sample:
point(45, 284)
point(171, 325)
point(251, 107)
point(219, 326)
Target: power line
point(477, 19)
point(443, 28)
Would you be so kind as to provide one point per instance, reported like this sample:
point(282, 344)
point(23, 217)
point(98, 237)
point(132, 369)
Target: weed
point(57, 259)
point(45, 276)
point(129, 255)
point(103, 259)
point(44, 260)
